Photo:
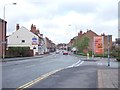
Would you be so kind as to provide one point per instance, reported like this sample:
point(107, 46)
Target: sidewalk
point(108, 78)
point(22, 58)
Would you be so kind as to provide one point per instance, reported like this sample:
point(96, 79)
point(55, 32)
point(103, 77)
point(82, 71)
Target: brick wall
point(2, 36)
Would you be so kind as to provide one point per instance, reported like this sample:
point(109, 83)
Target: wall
point(2, 36)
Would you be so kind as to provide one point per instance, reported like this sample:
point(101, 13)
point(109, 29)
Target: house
point(41, 42)
point(22, 37)
point(3, 25)
point(62, 46)
point(91, 35)
point(49, 45)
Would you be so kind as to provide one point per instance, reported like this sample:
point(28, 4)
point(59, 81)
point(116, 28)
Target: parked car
point(65, 52)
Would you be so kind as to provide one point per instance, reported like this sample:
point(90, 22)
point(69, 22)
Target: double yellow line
point(29, 84)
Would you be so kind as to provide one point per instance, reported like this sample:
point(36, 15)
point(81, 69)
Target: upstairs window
point(23, 41)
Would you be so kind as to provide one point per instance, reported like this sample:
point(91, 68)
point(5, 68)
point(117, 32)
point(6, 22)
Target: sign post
point(108, 37)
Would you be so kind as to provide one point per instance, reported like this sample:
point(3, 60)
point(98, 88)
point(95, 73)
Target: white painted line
point(76, 64)
point(79, 64)
point(99, 64)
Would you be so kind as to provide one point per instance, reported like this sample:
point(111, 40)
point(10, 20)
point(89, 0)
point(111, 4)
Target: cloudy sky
point(60, 20)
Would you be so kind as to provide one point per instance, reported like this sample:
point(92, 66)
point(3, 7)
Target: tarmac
point(107, 78)
point(22, 58)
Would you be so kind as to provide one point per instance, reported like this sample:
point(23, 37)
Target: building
point(22, 37)
point(49, 45)
point(90, 34)
point(62, 46)
point(3, 25)
point(41, 42)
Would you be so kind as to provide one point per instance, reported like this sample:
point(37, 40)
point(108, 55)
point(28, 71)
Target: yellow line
point(37, 80)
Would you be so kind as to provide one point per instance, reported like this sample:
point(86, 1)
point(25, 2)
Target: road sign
point(34, 41)
point(98, 45)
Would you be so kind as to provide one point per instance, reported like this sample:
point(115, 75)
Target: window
point(23, 41)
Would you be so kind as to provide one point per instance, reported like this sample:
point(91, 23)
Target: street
point(17, 73)
point(75, 72)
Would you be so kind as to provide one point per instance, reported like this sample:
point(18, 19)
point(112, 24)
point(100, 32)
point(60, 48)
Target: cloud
point(52, 17)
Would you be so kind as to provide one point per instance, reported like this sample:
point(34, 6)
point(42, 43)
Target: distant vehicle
point(65, 52)
point(57, 52)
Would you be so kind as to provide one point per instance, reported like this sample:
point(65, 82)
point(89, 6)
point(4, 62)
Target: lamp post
point(4, 8)
point(108, 37)
point(76, 34)
point(4, 42)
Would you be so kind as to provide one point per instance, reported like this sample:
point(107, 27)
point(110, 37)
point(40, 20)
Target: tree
point(81, 44)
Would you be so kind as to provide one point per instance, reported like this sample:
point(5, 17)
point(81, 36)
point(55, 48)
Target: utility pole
point(108, 37)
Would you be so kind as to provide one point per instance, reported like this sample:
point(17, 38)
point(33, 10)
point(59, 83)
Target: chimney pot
point(17, 27)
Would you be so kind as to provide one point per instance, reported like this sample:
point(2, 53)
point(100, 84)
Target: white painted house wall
point(15, 39)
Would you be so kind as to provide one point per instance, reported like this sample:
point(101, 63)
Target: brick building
point(90, 34)
point(50, 46)
point(2, 37)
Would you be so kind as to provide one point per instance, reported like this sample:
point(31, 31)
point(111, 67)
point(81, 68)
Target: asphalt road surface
point(17, 73)
point(75, 72)
point(84, 75)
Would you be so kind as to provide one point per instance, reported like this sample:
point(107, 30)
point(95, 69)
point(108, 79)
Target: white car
point(57, 52)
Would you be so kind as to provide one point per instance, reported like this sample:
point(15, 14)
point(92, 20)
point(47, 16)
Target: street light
point(4, 42)
point(76, 34)
point(108, 38)
point(4, 8)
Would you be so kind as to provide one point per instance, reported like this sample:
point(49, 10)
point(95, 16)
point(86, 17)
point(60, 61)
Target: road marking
point(29, 84)
point(79, 64)
point(99, 64)
point(76, 64)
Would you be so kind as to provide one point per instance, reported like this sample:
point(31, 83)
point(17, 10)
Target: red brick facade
point(2, 36)
point(90, 34)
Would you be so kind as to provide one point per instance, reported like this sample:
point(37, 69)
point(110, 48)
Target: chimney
point(31, 26)
point(34, 27)
point(80, 33)
point(17, 27)
point(41, 35)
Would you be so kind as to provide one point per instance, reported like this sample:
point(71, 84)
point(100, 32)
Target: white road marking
point(76, 64)
point(79, 64)
point(99, 64)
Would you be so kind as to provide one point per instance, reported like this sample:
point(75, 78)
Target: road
point(83, 76)
point(72, 72)
point(17, 73)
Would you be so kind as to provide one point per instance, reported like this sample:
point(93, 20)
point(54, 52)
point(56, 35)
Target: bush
point(19, 52)
point(115, 52)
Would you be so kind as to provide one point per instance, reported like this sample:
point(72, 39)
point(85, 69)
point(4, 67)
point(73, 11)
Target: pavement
point(22, 58)
point(108, 78)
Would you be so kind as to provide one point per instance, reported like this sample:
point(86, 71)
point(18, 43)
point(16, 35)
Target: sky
point(61, 20)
